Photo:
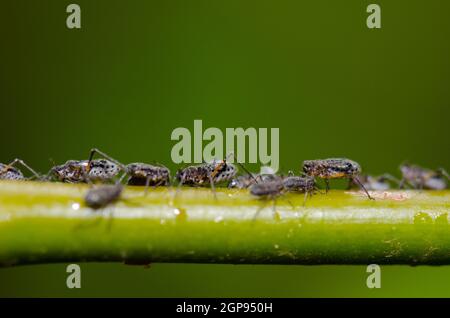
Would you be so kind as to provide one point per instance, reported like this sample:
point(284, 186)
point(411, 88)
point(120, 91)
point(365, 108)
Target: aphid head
point(69, 170)
point(309, 166)
point(350, 167)
point(405, 167)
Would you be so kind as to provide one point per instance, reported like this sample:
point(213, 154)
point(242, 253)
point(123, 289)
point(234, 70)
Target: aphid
point(9, 172)
point(423, 178)
point(102, 195)
point(247, 180)
point(334, 168)
point(278, 185)
point(207, 173)
point(375, 183)
point(75, 171)
point(140, 173)
point(306, 185)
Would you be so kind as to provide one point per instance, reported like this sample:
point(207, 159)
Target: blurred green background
point(138, 69)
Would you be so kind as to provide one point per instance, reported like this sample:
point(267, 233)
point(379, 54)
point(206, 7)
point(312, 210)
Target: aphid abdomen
point(266, 189)
point(103, 195)
point(102, 170)
point(299, 184)
point(141, 174)
point(194, 175)
point(10, 173)
point(435, 183)
point(227, 173)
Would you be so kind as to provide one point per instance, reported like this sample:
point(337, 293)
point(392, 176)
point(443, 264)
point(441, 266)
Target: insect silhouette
point(334, 168)
point(10, 172)
point(100, 196)
point(423, 178)
point(139, 173)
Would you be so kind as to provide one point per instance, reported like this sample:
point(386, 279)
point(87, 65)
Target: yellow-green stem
point(48, 222)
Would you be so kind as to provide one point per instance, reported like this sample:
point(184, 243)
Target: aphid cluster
point(111, 174)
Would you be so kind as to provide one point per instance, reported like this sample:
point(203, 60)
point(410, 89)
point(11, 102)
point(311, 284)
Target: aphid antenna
point(443, 172)
point(390, 177)
point(101, 153)
point(23, 164)
point(48, 176)
point(362, 187)
point(213, 188)
point(241, 165)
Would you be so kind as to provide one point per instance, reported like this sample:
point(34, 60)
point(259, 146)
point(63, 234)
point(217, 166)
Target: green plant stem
point(48, 222)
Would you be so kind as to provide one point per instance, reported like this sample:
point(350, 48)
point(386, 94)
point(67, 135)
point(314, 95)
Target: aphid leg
point(443, 172)
point(305, 198)
point(147, 184)
point(110, 220)
point(349, 184)
point(362, 187)
point(290, 203)
point(242, 166)
point(391, 178)
point(213, 188)
point(178, 189)
point(402, 183)
point(274, 207)
point(258, 211)
point(327, 185)
point(22, 163)
point(315, 189)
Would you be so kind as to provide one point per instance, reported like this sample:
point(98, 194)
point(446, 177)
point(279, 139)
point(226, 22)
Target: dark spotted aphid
point(140, 173)
point(423, 178)
point(75, 171)
point(334, 168)
point(9, 172)
point(375, 183)
point(207, 173)
point(100, 196)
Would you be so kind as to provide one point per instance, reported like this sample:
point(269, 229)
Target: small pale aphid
point(247, 180)
point(306, 185)
point(102, 195)
point(423, 178)
point(334, 168)
point(375, 183)
point(139, 173)
point(268, 189)
point(10, 172)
